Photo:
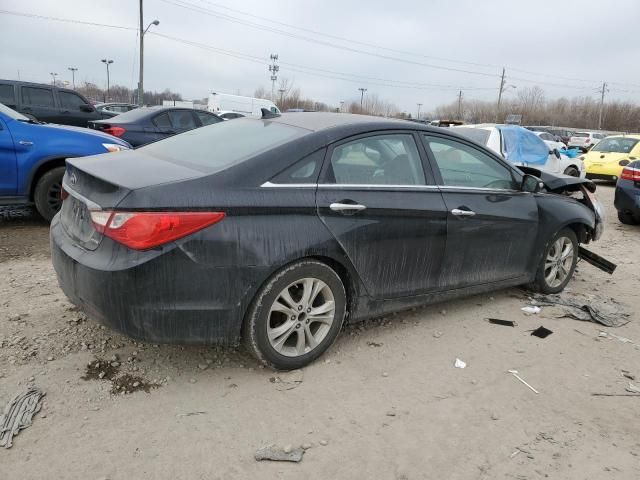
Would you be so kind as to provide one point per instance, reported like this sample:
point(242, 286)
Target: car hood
point(559, 183)
point(85, 131)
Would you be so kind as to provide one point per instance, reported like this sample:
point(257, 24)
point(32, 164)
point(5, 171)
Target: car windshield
point(615, 145)
point(478, 135)
point(580, 134)
point(218, 146)
point(12, 113)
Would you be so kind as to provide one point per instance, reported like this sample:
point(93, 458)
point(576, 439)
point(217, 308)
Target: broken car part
point(18, 414)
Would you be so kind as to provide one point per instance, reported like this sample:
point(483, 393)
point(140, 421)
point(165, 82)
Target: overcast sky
point(567, 47)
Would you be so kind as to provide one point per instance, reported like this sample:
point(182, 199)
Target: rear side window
point(70, 100)
point(6, 94)
point(182, 119)
point(162, 121)
point(216, 147)
point(303, 171)
point(38, 97)
point(207, 118)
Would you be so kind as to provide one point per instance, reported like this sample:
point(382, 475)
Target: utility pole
point(460, 105)
point(500, 95)
point(73, 76)
point(418, 116)
point(602, 92)
point(362, 90)
point(142, 32)
point(281, 90)
point(107, 63)
point(273, 68)
point(53, 76)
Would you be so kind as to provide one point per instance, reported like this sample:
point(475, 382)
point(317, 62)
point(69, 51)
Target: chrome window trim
point(444, 188)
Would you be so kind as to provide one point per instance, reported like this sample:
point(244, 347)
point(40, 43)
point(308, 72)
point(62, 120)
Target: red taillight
point(115, 131)
point(629, 173)
point(145, 230)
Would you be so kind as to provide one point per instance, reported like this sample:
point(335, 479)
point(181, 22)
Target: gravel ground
point(386, 402)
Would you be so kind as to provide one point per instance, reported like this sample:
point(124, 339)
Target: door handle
point(347, 207)
point(462, 213)
point(26, 143)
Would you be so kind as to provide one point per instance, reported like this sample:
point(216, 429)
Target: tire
point(282, 337)
point(572, 171)
point(626, 218)
point(47, 193)
point(544, 281)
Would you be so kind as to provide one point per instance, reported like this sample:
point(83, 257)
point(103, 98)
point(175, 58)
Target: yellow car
point(608, 157)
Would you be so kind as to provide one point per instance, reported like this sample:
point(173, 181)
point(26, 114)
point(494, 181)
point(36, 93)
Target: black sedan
point(110, 110)
point(627, 196)
point(149, 124)
point(276, 230)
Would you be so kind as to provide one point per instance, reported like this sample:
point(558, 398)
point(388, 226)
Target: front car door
point(8, 162)
point(491, 224)
point(75, 110)
point(380, 203)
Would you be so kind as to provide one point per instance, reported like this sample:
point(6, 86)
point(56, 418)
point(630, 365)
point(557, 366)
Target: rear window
point(216, 147)
point(580, 134)
point(615, 145)
point(478, 135)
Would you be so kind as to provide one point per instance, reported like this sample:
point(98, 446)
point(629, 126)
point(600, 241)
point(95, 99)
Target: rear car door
point(39, 102)
point(381, 204)
point(8, 162)
point(491, 224)
point(75, 110)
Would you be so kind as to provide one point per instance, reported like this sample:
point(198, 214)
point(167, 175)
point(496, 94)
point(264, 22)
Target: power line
point(66, 20)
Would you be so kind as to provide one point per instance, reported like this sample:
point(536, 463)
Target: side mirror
point(531, 184)
point(86, 108)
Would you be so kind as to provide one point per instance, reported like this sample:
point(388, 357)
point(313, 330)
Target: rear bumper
point(627, 197)
point(160, 297)
point(601, 176)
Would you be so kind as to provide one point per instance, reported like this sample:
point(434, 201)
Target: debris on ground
point(278, 454)
point(375, 344)
point(459, 363)
point(127, 383)
point(632, 388)
point(608, 312)
point(100, 370)
point(190, 414)
point(504, 323)
point(628, 374)
point(18, 414)
point(515, 374)
point(531, 309)
point(541, 332)
point(288, 381)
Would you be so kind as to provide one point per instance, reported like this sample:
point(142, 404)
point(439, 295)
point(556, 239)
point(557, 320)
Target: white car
point(522, 147)
point(551, 141)
point(585, 140)
point(229, 114)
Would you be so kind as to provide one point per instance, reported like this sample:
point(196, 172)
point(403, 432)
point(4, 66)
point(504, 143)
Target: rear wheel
point(572, 171)
point(296, 315)
point(47, 194)
point(626, 218)
point(558, 263)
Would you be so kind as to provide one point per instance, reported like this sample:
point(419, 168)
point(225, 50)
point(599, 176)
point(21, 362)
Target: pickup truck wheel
point(47, 193)
point(558, 263)
point(572, 171)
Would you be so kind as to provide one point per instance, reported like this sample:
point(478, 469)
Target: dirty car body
point(373, 199)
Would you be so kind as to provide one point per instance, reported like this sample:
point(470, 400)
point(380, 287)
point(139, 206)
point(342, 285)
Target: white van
point(246, 105)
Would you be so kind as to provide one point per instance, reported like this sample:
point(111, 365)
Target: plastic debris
point(278, 454)
point(459, 363)
point(541, 332)
point(531, 309)
point(18, 414)
point(504, 323)
point(289, 380)
point(632, 388)
point(607, 312)
point(515, 374)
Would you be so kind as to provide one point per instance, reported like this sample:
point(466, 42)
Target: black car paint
point(197, 289)
point(142, 130)
point(627, 194)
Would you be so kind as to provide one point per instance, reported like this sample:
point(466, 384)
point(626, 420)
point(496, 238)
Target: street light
point(362, 90)
point(281, 90)
point(73, 76)
point(107, 63)
point(53, 76)
point(418, 116)
point(142, 33)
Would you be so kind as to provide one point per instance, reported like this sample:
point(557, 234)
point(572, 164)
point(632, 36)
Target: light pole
point(418, 116)
point(142, 33)
point(362, 90)
point(341, 104)
point(107, 63)
point(281, 90)
point(73, 76)
point(53, 76)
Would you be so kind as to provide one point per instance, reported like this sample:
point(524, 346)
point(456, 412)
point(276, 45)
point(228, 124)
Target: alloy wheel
point(558, 263)
point(300, 317)
point(54, 196)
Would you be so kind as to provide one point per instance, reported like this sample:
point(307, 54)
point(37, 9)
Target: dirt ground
point(385, 403)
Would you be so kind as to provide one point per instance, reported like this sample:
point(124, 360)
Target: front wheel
point(296, 315)
point(48, 193)
point(572, 172)
point(558, 263)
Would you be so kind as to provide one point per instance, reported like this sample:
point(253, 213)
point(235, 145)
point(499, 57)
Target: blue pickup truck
point(32, 158)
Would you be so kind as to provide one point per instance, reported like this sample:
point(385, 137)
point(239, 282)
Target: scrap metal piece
point(609, 312)
point(515, 374)
point(18, 414)
point(278, 454)
point(596, 260)
point(541, 332)
point(504, 323)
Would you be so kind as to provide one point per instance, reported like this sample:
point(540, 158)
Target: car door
point(491, 224)
point(381, 205)
point(8, 162)
point(39, 102)
point(74, 110)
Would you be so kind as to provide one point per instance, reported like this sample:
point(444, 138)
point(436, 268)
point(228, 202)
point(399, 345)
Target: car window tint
point(378, 160)
point(40, 97)
point(6, 94)
point(616, 144)
point(463, 166)
point(207, 118)
point(182, 119)
point(303, 171)
point(162, 121)
point(70, 100)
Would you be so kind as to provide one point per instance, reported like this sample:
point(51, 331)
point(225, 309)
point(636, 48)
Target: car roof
point(36, 84)
point(318, 121)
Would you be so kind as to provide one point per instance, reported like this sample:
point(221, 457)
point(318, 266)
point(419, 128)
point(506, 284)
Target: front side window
point(37, 97)
point(71, 100)
point(377, 160)
point(463, 166)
